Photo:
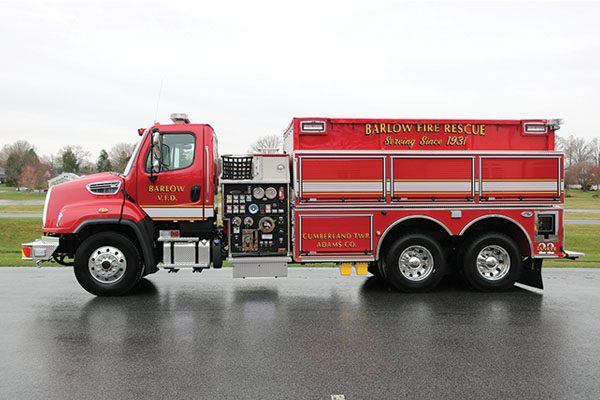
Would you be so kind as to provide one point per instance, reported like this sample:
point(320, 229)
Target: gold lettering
point(425, 141)
point(361, 235)
point(329, 236)
point(391, 141)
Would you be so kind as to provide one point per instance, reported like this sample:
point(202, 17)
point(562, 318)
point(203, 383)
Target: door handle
point(195, 193)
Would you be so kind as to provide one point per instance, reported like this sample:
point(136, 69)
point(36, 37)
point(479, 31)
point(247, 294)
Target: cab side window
point(177, 152)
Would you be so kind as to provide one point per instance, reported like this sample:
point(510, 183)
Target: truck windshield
point(129, 165)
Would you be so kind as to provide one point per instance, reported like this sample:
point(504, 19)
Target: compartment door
point(433, 178)
point(520, 178)
point(341, 178)
point(335, 234)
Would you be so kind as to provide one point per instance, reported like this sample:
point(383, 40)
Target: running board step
point(260, 267)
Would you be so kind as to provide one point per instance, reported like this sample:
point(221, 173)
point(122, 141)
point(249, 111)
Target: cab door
point(178, 191)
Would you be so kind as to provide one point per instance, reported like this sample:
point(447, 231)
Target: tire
point(415, 263)
point(491, 262)
point(107, 264)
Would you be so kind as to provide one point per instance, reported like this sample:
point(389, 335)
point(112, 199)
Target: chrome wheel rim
point(415, 263)
point(493, 262)
point(107, 264)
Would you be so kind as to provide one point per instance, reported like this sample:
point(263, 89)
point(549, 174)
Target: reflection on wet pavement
point(306, 336)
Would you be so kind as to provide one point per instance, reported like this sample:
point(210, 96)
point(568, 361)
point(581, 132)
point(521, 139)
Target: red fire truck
point(407, 200)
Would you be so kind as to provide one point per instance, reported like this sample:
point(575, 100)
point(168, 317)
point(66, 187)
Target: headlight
point(45, 212)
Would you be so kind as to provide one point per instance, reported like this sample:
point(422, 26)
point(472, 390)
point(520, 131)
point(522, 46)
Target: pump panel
point(257, 215)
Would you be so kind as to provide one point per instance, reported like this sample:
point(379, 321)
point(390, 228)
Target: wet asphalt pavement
point(309, 336)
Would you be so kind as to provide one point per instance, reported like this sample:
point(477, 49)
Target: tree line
point(582, 161)
point(24, 167)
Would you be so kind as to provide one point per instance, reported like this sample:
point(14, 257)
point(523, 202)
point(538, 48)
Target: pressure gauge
point(266, 225)
point(237, 221)
point(253, 208)
point(248, 221)
point(258, 192)
point(271, 193)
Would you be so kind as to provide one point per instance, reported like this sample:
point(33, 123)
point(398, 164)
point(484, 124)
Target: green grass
point(9, 193)
point(581, 199)
point(22, 209)
point(582, 238)
point(583, 215)
point(13, 232)
point(573, 198)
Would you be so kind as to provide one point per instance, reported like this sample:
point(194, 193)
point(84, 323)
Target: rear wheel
point(415, 263)
point(491, 262)
point(107, 264)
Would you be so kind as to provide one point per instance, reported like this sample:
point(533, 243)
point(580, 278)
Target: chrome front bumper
point(40, 249)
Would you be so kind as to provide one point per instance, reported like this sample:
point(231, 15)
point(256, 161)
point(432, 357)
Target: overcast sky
point(90, 73)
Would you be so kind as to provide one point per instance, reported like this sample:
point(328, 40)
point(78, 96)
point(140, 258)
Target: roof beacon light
point(180, 118)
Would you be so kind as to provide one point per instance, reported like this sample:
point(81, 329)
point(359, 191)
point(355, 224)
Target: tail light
point(26, 252)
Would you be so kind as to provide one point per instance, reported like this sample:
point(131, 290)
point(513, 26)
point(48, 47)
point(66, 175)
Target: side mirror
point(156, 151)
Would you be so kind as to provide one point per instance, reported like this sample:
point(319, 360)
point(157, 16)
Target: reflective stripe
point(349, 186)
point(432, 186)
point(179, 212)
point(427, 186)
point(519, 186)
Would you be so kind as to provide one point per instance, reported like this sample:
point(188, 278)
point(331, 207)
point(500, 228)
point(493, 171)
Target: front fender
point(73, 215)
point(132, 212)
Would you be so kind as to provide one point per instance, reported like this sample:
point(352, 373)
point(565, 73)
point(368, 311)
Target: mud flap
point(531, 274)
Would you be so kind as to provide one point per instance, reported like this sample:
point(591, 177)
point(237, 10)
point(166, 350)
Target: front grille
point(104, 188)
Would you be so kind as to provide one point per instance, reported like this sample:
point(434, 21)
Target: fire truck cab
point(407, 200)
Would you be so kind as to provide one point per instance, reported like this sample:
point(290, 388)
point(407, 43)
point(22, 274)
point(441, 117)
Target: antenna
point(158, 100)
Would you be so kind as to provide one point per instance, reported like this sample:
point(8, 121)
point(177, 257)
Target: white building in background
point(64, 177)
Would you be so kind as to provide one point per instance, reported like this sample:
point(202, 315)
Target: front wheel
point(415, 263)
point(491, 262)
point(107, 264)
